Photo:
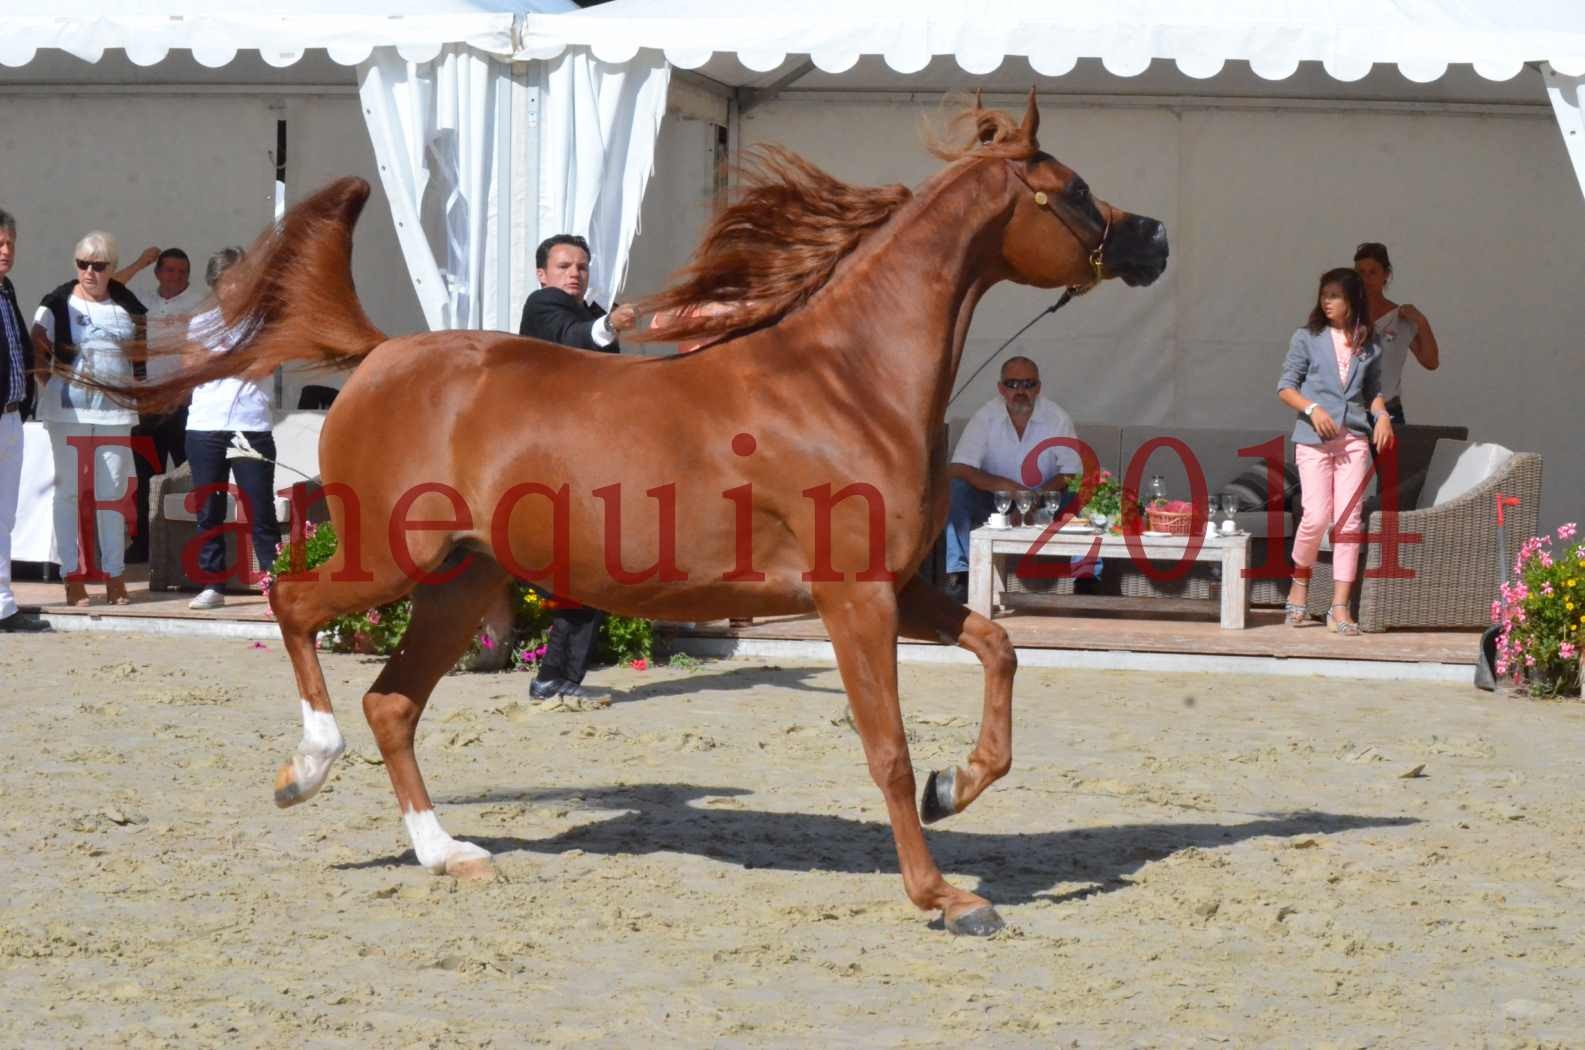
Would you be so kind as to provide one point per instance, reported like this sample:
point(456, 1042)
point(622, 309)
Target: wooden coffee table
point(989, 548)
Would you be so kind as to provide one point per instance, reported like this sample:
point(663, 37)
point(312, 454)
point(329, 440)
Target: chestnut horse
point(794, 465)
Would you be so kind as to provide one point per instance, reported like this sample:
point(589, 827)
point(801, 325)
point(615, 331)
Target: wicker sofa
point(1216, 452)
point(1451, 571)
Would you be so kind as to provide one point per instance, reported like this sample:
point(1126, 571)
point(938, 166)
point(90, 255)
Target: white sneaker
point(208, 598)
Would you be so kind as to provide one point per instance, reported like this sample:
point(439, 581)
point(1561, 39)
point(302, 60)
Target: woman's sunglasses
point(92, 264)
point(1020, 384)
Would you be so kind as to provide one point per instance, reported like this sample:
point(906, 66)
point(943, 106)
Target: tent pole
point(1566, 97)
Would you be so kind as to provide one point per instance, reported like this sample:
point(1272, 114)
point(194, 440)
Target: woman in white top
point(220, 409)
point(1400, 328)
point(82, 330)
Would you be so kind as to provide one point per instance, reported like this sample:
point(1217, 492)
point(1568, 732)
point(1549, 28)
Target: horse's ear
point(1031, 124)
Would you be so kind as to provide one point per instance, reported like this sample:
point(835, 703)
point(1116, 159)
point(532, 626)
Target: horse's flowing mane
point(788, 227)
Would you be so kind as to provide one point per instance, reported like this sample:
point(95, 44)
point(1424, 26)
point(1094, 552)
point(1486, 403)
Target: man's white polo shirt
point(990, 443)
point(167, 320)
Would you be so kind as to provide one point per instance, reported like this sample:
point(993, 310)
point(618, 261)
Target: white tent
point(1272, 135)
point(1228, 118)
point(477, 154)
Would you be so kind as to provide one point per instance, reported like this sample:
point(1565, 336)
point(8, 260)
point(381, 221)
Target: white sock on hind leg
point(322, 744)
point(433, 846)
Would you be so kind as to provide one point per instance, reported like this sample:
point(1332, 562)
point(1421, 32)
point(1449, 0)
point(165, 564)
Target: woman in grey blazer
point(1332, 379)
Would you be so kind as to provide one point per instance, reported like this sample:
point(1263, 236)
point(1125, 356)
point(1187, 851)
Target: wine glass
point(1025, 500)
point(1229, 513)
point(1002, 500)
point(1049, 502)
point(1156, 491)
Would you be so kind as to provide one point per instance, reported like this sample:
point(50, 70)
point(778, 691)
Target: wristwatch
point(1310, 411)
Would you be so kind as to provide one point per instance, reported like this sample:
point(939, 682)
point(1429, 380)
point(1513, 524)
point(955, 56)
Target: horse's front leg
point(927, 614)
point(861, 619)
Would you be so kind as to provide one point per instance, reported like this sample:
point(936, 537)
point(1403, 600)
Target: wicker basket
point(1175, 522)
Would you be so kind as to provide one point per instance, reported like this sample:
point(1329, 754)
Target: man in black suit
point(557, 313)
point(16, 404)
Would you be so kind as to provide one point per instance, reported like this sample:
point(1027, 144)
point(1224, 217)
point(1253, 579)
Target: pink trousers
point(1331, 476)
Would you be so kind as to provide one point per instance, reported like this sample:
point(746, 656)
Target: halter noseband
point(1068, 218)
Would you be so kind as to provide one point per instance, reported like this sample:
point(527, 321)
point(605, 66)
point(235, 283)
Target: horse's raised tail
point(290, 301)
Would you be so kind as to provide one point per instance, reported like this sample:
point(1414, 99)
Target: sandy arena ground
point(1182, 861)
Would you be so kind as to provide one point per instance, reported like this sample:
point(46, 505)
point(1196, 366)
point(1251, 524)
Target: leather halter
point(1074, 220)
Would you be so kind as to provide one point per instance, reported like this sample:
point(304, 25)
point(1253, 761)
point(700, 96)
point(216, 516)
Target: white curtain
point(436, 140)
point(468, 218)
point(598, 125)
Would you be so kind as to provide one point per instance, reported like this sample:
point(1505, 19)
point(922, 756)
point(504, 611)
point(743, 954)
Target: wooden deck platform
point(1140, 633)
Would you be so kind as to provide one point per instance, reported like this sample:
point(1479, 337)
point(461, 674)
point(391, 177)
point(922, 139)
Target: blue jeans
point(969, 510)
point(206, 451)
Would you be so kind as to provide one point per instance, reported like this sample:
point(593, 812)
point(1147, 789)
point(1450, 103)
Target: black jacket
point(556, 317)
point(65, 350)
point(7, 395)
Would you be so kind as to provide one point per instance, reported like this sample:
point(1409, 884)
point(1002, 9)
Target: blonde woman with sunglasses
point(82, 330)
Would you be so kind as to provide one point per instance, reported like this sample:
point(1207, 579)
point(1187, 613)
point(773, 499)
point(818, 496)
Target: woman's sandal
point(1348, 627)
point(1296, 614)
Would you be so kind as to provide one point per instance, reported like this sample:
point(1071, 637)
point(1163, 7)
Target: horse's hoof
point(287, 790)
point(940, 799)
point(981, 922)
point(472, 869)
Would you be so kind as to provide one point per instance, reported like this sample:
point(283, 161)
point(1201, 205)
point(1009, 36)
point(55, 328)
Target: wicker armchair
point(1452, 572)
point(171, 532)
point(169, 535)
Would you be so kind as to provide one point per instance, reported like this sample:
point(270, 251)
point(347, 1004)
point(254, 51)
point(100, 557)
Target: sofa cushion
point(1213, 449)
point(1415, 443)
point(297, 447)
point(1458, 466)
point(1104, 439)
point(1249, 489)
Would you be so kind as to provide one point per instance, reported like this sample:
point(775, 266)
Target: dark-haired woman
point(1400, 327)
point(1332, 379)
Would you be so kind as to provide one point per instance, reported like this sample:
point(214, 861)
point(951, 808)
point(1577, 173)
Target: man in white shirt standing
point(171, 307)
point(16, 403)
point(991, 453)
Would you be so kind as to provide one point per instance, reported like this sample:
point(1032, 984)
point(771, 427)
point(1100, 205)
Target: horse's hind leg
point(927, 614)
point(862, 621)
point(445, 617)
point(301, 608)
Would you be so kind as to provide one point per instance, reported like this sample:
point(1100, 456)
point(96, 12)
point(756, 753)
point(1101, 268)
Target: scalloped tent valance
point(1348, 37)
point(349, 30)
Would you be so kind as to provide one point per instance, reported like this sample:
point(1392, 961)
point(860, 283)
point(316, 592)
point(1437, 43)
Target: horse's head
point(1059, 233)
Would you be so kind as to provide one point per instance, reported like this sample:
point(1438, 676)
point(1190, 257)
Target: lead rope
point(1067, 297)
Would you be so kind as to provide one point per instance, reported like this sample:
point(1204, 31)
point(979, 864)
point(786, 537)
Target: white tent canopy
point(214, 33)
point(472, 146)
point(1348, 36)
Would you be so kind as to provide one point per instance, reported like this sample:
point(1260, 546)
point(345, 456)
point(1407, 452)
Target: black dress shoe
point(585, 695)
point(545, 688)
point(16, 624)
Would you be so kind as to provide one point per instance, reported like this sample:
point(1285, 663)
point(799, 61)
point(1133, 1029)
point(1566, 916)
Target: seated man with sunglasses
point(990, 457)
